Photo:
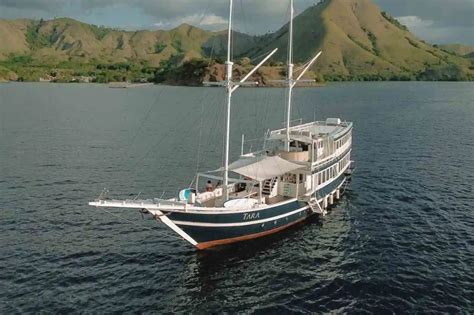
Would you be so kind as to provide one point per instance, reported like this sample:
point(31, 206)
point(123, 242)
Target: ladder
point(315, 207)
point(268, 186)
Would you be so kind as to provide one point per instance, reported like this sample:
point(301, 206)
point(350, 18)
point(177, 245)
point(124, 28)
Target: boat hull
point(209, 230)
point(208, 235)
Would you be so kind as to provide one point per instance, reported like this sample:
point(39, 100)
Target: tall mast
point(228, 85)
point(230, 88)
point(289, 77)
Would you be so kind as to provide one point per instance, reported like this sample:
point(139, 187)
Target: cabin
point(319, 153)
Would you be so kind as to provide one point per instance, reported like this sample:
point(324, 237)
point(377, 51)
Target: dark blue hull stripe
point(326, 190)
point(208, 234)
point(213, 229)
point(236, 217)
point(251, 215)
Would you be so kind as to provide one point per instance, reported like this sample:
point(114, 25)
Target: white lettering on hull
point(251, 216)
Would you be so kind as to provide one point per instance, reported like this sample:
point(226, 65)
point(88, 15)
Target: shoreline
point(124, 85)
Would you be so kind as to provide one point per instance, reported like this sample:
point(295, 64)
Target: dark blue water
point(401, 240)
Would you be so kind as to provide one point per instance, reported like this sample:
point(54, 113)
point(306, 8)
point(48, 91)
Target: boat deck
point(315, 128)
point(216, 202)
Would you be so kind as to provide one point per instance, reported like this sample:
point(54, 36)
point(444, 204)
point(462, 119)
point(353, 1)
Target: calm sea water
point(401, 240)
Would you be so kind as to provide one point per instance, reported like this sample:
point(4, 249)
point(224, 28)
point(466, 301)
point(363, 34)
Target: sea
point(401, 240)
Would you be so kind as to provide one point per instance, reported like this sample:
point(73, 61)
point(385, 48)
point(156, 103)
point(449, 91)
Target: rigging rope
point(199, 144)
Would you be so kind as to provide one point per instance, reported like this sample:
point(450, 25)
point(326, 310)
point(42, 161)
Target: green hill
point(359, 42)
point(458, 49)
point(66, 39)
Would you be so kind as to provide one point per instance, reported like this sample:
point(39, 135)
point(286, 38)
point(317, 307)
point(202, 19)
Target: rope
point(261, 55)
point(145, 118)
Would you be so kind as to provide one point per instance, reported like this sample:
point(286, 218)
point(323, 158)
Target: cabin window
point(293, 179)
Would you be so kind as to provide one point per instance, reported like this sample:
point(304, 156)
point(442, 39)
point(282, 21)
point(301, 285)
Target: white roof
point(263, 167)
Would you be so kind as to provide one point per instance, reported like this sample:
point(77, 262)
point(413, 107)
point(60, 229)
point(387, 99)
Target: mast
point(231, 86)
point(228, 85)
point(289, 77)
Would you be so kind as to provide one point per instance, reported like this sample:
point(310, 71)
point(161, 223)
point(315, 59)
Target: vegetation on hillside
point(359, 42)
point(394, 21)
point(457, 49)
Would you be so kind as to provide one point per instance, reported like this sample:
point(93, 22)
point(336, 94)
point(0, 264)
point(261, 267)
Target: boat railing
point(294, 122)
point(134, 203)
point(330, 159)
point(304, 126)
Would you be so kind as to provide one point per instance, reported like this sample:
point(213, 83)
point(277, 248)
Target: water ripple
point(400, 241)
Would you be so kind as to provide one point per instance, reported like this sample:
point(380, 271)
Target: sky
point(436, 21)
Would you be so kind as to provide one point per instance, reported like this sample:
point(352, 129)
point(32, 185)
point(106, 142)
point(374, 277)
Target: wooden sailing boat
point(301, 172)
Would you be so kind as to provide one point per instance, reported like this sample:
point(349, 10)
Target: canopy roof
point(263, 167)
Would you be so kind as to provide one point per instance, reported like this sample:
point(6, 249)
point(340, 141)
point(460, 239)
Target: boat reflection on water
point(217, 270)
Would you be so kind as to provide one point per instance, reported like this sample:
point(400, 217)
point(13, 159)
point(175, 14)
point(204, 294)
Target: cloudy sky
point(437, 21)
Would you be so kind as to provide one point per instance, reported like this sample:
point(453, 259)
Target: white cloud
point(209, 21)
point(439, 34)
point(413, 21)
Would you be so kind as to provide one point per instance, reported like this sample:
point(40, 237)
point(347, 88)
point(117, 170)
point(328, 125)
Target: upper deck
point(332, 127)
point(315, 142)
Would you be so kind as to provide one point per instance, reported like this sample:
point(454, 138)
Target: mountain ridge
point(358, 40)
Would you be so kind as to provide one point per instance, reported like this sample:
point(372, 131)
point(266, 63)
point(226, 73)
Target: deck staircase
point(268, 186)
point(314, 206)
